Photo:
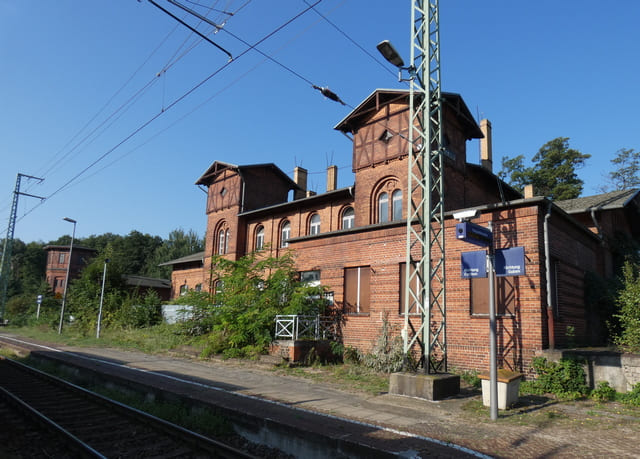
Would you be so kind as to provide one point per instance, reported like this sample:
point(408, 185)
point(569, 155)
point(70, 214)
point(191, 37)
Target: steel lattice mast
point(5, 265)
point(425, 285)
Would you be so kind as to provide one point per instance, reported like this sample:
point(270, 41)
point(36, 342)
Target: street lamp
point(66, 282)
point(389, 53)
point(104, 276)
point(393, 57)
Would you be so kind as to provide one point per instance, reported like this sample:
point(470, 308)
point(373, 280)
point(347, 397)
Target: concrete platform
point(354, 423)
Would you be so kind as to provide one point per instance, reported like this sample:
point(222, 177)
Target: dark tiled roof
point(381, 97)
point(199, 256)
point(66, 247)
point(140, 281)
point(606, 201)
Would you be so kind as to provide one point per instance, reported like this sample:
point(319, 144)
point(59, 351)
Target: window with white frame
point(285, 234)
point(259, 238)
point(314, 224)
point(310, 278)
point(348, 218)
point(383, 207)
point(222, 241)
point(396, 205)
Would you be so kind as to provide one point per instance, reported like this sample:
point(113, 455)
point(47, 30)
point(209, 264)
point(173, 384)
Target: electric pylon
point(425, 273)
point(5, 265)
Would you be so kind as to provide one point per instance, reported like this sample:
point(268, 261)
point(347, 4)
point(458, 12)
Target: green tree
point(514, 172)
point(249, 293)
point(627, 173)
point(553, 173)
point(83, 297)
point(629, 303)
point(179, 244)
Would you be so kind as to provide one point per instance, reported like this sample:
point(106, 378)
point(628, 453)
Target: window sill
point(486, 316)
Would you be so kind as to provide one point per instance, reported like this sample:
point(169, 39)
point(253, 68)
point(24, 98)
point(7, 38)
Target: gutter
point(547, 265)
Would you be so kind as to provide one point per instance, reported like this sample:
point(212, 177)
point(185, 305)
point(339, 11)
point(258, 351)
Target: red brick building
point(354, 239)
point(58, 260)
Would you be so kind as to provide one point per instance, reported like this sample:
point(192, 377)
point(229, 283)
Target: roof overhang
point(381, 97)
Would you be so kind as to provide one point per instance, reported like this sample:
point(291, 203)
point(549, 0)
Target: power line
point(372, 56)
point(171, 105)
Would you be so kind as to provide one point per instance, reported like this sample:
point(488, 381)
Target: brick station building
point(353, 240)
point(58, 261)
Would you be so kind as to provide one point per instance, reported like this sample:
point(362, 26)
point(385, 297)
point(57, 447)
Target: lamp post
point(66, 282)
point(104, 276)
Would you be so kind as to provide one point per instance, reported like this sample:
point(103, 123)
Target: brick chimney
point(528, 191)
point(332, 178)
point(486, 155)
point(300, 177)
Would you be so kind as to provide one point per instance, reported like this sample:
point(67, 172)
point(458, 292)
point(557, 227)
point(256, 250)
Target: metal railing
point(295, 326)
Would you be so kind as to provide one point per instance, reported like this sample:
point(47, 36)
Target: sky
point(120, 109)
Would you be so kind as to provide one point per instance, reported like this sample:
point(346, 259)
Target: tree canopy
point(626, 174)
point(553, 173)
point(135, 253)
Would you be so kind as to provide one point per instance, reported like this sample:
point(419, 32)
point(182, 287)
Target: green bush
point(603, 392)
point(565, 379)
point(631, 398)
point(387, 354)
point(351, 355)
point(629, 303)
point(471, 378)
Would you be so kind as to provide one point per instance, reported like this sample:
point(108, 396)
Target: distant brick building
point(354, 239)
point(58, 260)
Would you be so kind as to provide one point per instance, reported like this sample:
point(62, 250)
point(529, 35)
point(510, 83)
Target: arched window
point(222, 241)
point(383, 207)
point(314, 224)
point(285, 234)
point(259, 238)
point(348, 218)
point(396, 205)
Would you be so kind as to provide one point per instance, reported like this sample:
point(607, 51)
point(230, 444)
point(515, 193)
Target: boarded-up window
point(415, 282)
point(357, 290)
point(505, 292)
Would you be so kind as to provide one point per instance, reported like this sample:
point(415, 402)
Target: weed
point(631, 398)
point(565, 379)
point(471, 378)
point(603, 392)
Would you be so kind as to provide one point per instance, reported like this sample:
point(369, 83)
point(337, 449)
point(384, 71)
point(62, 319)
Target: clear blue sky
point(537, 70)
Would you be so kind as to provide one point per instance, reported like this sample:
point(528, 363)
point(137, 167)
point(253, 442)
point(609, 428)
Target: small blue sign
point(510, 262)
point(39, 299)
point(474, 264)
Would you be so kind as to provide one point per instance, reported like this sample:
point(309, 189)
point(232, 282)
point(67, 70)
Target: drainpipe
point(547, 265)
point(595, 222)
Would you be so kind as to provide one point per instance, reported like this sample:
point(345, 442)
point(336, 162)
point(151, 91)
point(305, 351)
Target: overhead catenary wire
point(170, 106)
point(57, 162)
point(166, 128)
point(344, 34)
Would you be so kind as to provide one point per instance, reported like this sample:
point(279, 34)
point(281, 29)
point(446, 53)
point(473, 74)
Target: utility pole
point(5, 265)
point(425, 285)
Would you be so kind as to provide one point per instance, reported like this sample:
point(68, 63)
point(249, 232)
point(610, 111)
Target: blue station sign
point(510, 262)
point(474, 264)
point(474, 234)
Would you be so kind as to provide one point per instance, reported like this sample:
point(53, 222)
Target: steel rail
point(197, 443)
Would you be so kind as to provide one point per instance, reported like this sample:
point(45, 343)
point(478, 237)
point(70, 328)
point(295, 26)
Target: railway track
point(91, 425)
